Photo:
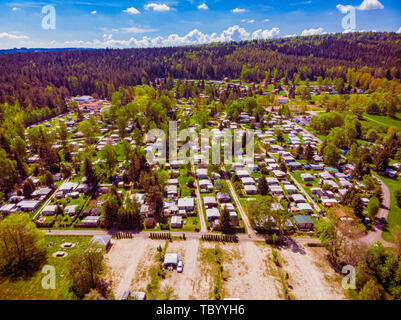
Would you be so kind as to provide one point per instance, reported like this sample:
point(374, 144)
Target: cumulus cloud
point(265, 34)
point(15, 9)
point(312, 32)
point(203, 6)
point(93, 12)
point(238, 10)
point(157, 7)
point(267, 20)
point(12, 36)
point(364, 6)
point(399, 30)
point(290, 35)
point(194, 37)
point(131, 10)
point(343, 9)
point(370, 5)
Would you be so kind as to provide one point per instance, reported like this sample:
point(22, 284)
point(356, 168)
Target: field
point(310, 275)
point(380, 121)
point(31, 289)
point(394, 216)
point(246, 270)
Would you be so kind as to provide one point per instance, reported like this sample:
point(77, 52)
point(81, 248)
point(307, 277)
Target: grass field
point(31, 289)
point(383, 121)
point(394, 217)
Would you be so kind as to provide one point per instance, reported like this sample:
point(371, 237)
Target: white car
point(180, 267)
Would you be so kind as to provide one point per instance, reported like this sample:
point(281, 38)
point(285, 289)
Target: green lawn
point(31, 289)
point(384, 120)
point(394, 217)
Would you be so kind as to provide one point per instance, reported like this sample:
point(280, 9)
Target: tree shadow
point(291, 244)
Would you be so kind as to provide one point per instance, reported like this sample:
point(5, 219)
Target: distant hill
point(40, 78)
point(25, 50)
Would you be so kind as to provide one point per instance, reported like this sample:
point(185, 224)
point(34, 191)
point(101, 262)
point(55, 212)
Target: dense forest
point(40, 80)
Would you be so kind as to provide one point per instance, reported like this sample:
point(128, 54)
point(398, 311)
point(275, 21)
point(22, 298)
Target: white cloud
point(267, 20)
point(238, 10)
point(15, 9)
point(93, 12)
point(248, 20)
point(203, 6)
point(265, 34)
point(399, 30)
point(131, 10)
point(364, 6)
point(136, 30)
point(343, 9)
point(370, 5)
point(157, 7)
point(12, 36)
point(312, 32)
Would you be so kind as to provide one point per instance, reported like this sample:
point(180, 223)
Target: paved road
point(244, 217)
point(146, 234)
point(199, 201)
point(376, 233)
point(47, 202)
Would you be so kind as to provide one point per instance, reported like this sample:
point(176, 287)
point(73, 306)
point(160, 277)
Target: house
point(171, 261)
point(279, 174)
point(307, 177)
point(304, 207)
point(212, 214)
point(250, 189)
point(298, 198)
point(201, 174)
point(8, 208)
point(228, 206)
point(28, 205)
point(210, 202)
point(295, 165)
point(243, 173)
point(68, 187)
point(303, 222)
point(41, 192)
point(290, 189)
point(91, 221)
point(171, 191)
point(272, 181)
point(71, 210)
point(248, 181)
point(186, 204)
point(49, 210)
point(317, 166)
point(223, 197)
point(206, 186)
point(276, 190)
point(104, 241)
point(176, 222)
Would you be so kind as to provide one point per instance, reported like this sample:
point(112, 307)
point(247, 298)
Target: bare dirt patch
point(123, 259)
point(194, 282)
point(250, 276)
point(307, 281)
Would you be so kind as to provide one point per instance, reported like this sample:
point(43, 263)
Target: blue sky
point(138, 23)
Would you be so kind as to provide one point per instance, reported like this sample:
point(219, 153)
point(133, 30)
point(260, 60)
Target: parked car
point(180, 267)
point(126, 295)
point(308, 184)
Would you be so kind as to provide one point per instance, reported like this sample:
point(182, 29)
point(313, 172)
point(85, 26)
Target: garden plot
point(250, 274)
point(308, 280)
